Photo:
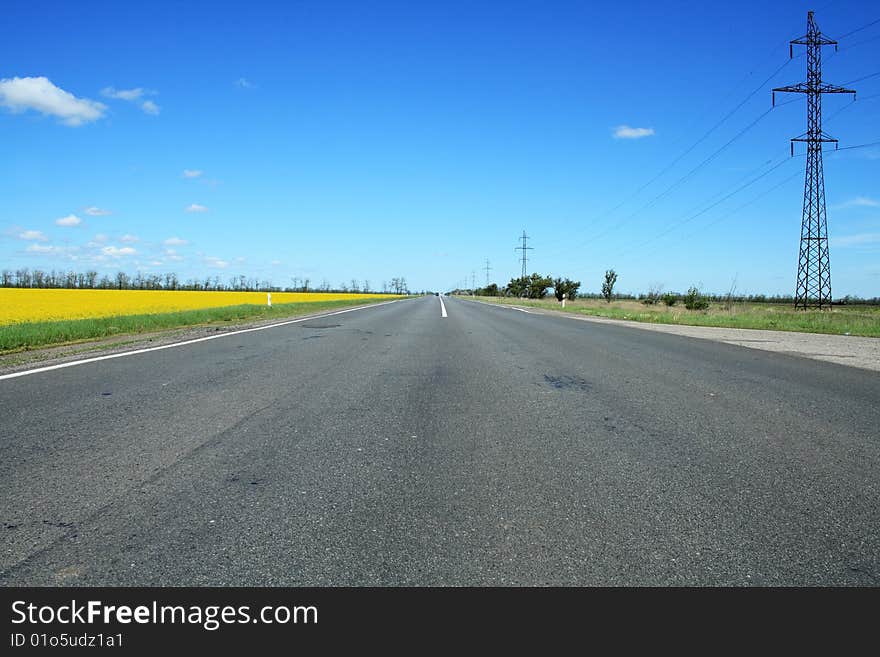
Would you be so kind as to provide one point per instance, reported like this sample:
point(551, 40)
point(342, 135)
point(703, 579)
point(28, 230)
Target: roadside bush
point(567, 287)
point(670, 299)
point(653, 296)
point(694, 300)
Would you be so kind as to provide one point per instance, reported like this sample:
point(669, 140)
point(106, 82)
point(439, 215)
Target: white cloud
point(195, 207)
point(96, 212)
point(192, 173)
point(626, 132)
point(129, 239)
point(51, 250)
point(175, 241)
point(97, 241)
point(859, 202)
point(39, 94)
point(122, 94)
point(274, 263)
point(69, 220)
point(244, 83)
point(115, 252)
point(216, 263)
point(133, 96)
point(33, 236)
point(856, 240)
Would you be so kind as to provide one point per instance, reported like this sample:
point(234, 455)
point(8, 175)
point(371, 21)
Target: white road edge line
point(442, 307)
point(48, 368)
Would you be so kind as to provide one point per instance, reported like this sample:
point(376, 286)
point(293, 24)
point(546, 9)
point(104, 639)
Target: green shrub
point(567, 287)
point(670, 299)
point(694, 300)
point(655, 293)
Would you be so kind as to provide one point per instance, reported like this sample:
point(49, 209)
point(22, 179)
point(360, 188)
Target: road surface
point(395, 446)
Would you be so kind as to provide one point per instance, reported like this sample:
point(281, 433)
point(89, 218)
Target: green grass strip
point(31, 335)
point(851, 320)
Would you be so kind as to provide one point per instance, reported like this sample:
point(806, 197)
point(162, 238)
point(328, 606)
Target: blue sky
point(340, 140)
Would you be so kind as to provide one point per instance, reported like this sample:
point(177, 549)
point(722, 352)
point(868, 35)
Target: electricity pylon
point(814, 263)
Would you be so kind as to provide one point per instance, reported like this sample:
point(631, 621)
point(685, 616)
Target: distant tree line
point(92, 280)
point(671, 298)
point(537, 286)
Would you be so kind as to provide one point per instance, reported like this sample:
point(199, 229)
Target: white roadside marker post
point(563, 299)
point(269, 299)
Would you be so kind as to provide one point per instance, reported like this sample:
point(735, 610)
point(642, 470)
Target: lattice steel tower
point(814, 264)
point(525, 249)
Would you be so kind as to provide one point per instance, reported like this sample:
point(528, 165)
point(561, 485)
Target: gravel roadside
point(855, 351)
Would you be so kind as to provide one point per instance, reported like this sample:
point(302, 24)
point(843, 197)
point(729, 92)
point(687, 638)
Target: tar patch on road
point(317, 325)
point(565, 382)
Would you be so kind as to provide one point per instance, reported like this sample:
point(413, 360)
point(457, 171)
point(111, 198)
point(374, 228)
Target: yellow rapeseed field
point(35, 305)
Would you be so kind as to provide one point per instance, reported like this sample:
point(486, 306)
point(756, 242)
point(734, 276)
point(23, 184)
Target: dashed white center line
point(442, 307)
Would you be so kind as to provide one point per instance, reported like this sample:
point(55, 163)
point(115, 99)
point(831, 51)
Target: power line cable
point(828, 120)
point(718, 152)
point(706, 209)
point(850, 148)
point(708, 160)
point(859, 43)
point(698, 142)
point(689, 174)
point(717, 125)
point(864, 77)
point(712, 157)
point(839, 49)
point(796, 174)
point(859, 29)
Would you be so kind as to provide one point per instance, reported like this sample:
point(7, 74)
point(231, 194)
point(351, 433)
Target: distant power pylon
point(525, 249)
point(488, 269)
point(814, 264)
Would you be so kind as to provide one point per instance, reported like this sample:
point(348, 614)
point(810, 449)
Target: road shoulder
point(19, 361)
point(854, 351)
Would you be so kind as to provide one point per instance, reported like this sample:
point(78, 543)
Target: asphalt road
point(394, 446)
